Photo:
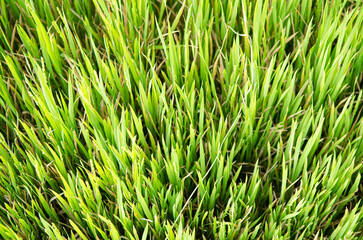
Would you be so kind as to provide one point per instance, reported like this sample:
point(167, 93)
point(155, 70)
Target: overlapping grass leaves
point(181, 120)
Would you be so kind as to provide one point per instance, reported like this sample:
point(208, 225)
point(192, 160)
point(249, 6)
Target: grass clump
point(188, 119)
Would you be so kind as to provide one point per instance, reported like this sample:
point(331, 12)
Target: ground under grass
point(188, 119)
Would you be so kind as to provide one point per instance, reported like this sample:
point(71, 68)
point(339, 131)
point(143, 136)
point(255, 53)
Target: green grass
point(189, 119)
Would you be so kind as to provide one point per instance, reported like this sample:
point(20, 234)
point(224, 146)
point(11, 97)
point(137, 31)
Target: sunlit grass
point(188, 119)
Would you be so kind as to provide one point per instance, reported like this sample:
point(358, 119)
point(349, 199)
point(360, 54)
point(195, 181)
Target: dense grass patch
point(189, 119)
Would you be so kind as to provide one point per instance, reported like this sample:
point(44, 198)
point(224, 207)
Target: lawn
point(181, 119)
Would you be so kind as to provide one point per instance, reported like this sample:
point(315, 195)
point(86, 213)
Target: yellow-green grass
point(188, 119)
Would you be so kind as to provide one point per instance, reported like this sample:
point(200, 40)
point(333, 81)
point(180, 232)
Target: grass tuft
point(188, 119)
